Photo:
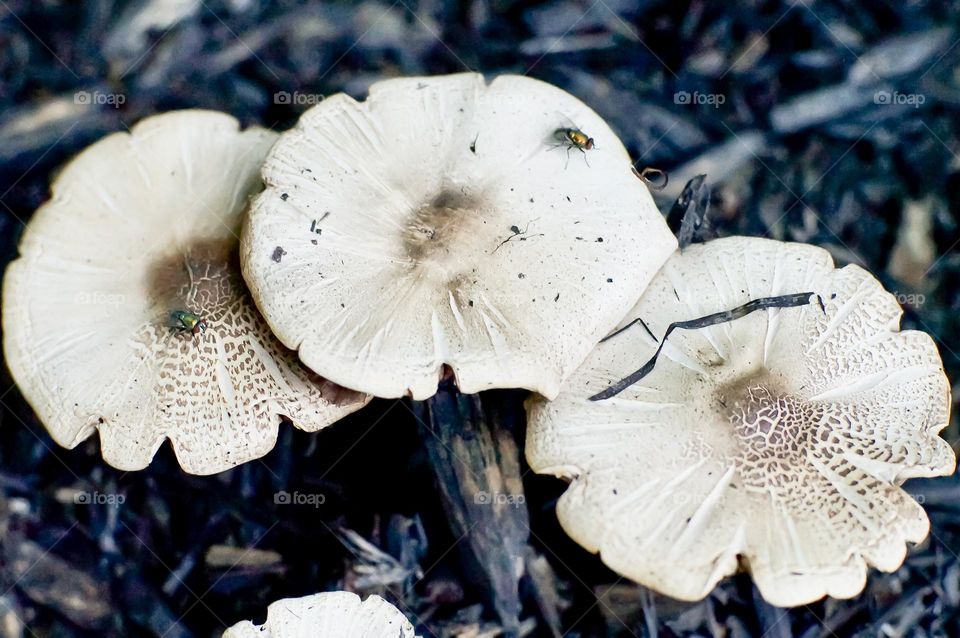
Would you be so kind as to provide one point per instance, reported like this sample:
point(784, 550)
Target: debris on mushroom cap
point(338, 614)
point(440, 221)
point(139, 226)
point(779, 439)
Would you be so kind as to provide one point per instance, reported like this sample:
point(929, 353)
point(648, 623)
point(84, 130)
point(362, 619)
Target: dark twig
point(629, 325)
point(688, 217)
point(782, 301)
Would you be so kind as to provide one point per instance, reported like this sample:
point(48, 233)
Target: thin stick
point(783, 301)
point(630, 325)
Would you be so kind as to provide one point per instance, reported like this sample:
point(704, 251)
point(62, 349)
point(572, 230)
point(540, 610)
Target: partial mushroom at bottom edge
point(776, 442)
point(337, 614)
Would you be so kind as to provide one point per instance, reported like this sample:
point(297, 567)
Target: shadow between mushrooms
point(444, 221)
point(776, 442)
point(337, 614)
point(141, 225)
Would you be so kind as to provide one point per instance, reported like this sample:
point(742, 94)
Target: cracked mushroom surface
point(337, 614)
point(776, 442)
point(446, 221)
point(141, 225)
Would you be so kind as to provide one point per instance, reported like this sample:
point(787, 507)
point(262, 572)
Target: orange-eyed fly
point(573, 138)
point(188, 321)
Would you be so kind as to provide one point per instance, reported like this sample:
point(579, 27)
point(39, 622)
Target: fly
point(571, 138)
point(187, 321)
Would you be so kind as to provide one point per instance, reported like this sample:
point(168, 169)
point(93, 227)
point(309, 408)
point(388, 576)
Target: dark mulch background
point(821, 137)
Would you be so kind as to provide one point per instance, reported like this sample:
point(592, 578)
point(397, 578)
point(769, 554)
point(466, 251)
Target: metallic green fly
point(573, 138)
point(186, 320)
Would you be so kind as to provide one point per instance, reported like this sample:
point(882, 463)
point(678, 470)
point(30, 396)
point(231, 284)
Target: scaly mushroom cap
point(780, 438)
point(140, 225)
point(337, 614)
point(443, 221)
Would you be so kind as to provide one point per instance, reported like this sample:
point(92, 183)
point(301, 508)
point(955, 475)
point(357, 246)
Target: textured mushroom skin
point(776, 442)
point(235, 370)
point(329, 615)
point(438, 223)
point(140, 225)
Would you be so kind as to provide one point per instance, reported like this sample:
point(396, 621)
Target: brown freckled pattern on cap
point(222, 373)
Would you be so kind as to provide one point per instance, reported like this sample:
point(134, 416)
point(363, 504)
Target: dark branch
point(629, 325)
point(783, 301)
point(688, 217)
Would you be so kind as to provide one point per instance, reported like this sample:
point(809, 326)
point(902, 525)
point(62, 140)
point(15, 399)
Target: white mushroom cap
point(337, 614)
point(437, 222)
point(779, 438)
point(140, 225)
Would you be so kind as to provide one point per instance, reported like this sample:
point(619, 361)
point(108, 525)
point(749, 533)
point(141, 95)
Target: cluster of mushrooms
point(196, 282)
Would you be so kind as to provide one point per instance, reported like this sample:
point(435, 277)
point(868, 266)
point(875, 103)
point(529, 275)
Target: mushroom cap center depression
point(437, 226)
point(201, 277)
point(771, 431)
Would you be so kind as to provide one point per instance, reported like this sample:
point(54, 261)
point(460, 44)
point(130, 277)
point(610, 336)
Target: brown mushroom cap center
point(202, 277)
point(773, 431)
point(438, 226)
